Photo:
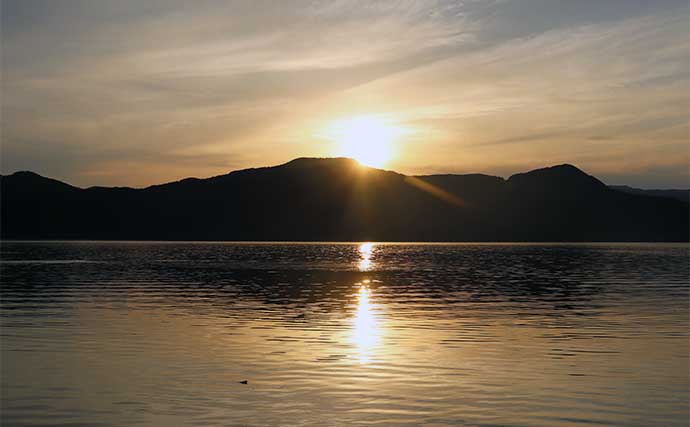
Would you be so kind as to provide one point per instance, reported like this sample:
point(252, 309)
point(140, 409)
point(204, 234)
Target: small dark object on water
point(244, 382)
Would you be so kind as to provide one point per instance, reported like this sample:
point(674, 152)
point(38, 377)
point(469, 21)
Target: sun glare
point(368, 139)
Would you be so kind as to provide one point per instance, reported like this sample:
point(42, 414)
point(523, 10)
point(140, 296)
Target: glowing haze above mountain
point(127, 93)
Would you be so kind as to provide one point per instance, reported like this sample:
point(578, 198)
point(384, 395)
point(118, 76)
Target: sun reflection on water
point(365, 251)
point(365, 329)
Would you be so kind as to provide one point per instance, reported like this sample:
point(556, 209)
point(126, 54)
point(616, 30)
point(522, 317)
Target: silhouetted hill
point(337, 199)
point(39, 184)
point(682, 195)
point(561, 178)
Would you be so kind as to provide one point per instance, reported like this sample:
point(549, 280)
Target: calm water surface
point(343, 334)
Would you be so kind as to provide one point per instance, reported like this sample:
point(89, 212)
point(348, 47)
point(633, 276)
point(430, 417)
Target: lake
point(146, 333)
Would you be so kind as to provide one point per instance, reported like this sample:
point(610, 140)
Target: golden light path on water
point(365, 330)
point(365, 251)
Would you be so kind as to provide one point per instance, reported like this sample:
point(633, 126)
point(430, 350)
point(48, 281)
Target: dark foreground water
point(343, 334)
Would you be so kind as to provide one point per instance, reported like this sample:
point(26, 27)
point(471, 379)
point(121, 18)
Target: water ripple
point(118, 333)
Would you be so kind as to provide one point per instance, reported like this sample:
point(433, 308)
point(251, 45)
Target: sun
point(369, 139)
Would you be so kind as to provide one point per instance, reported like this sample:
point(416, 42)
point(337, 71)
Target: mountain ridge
point(338, 199)
point(672, 193)
point(298, 160)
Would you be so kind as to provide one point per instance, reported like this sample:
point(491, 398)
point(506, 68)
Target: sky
point(142, 92)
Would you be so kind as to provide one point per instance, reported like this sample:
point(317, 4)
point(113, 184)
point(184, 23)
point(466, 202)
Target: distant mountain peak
point(562, 169)
point(36, 179)
point(677, 194)
point(321, 161)
point(25, 174)
point(564, 176)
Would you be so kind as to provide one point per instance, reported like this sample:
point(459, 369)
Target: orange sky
point(121, 93)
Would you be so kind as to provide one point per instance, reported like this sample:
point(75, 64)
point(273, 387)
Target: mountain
point(682, 195)
point(340, 200)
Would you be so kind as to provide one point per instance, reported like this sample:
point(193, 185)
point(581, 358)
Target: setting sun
point(368, 139)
